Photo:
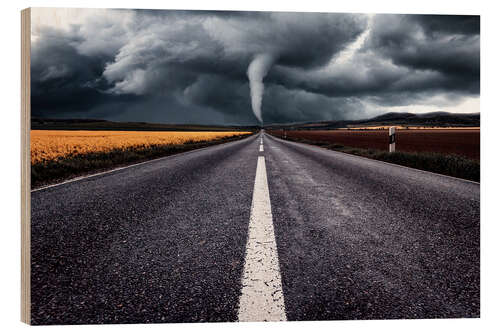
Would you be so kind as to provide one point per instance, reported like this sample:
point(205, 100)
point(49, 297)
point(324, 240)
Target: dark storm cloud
point(64, 82)
point(208, 43)
point(191, 66)
point(371, 78)
point(404, 59)
point(448, 24)
point(445, 44)
point(306, 106)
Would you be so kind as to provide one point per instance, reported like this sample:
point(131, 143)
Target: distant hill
point(105, 125)
point(431, 119)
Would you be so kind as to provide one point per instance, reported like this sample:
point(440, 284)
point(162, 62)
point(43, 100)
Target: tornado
point(257, 71)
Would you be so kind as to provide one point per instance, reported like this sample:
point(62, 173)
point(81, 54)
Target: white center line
point(262, 294)
point(261, 148)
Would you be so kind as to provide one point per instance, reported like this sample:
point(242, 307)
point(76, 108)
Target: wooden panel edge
point(25, 166)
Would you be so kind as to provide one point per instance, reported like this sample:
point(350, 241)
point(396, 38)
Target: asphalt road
point(167, 240)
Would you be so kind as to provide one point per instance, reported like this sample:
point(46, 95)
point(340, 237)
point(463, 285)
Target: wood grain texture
point(25, 167)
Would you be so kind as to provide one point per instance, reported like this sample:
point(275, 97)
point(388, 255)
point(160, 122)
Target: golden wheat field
point(49, 145)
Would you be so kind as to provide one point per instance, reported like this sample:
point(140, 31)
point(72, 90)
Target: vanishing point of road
point(256, 229)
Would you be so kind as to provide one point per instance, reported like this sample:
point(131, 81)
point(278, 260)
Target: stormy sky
point(214, 67)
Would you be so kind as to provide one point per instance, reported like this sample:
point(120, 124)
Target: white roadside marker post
point(392, 139)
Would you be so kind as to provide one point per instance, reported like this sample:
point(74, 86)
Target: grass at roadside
point(446, 164)
point(65, 167)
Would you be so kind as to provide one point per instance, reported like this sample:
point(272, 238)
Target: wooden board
point(25, 167)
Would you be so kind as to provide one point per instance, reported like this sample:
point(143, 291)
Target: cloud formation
point(216, 67)
point(257, 70)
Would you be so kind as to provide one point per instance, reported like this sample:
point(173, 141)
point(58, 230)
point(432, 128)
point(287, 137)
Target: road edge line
point(372, 159)
point(133, 165)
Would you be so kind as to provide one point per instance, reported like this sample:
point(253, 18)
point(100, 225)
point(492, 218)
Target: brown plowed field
point(463, 142)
